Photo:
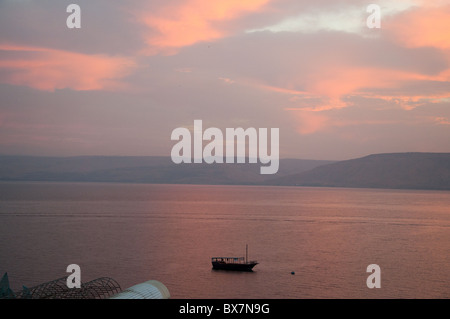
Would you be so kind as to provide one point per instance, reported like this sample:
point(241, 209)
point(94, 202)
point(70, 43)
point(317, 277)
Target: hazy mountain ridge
point(392, 170)
point(140, 170)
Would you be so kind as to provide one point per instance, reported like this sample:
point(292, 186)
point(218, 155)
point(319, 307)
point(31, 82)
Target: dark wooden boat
point(234, 263)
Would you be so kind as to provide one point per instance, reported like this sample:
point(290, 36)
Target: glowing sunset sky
point(136, 70)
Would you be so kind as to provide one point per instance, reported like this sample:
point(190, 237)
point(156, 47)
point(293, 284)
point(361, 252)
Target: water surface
point(134, 233)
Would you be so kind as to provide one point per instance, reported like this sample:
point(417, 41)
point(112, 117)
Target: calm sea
point(134, 233)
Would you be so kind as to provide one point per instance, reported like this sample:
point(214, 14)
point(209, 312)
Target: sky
point(137, 70)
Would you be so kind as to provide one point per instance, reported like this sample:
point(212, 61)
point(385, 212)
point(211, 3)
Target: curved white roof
point(151, 289)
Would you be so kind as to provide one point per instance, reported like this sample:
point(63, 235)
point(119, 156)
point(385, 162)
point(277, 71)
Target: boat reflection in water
point(234, 263)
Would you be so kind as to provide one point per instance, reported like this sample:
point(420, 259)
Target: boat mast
point(246, 253)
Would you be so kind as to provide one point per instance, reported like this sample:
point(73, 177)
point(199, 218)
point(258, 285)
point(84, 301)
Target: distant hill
point(146, 169)
point(396, 170)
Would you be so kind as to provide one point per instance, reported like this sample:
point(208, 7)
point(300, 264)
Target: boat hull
point(233, 266)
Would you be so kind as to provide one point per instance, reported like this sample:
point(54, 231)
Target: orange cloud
point(310, 122)
point(442, 120)
point(327, 86)
point(188, 22)
point(49, 69)
point(421, 27)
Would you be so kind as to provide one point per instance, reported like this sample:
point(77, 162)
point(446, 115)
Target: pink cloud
point(442, 120)
point(184, 23)
point(49, 69)
point(310, 122)
point(422, 27)
point(329, 86)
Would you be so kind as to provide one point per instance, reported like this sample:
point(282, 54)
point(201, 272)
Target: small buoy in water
point(292, 272)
